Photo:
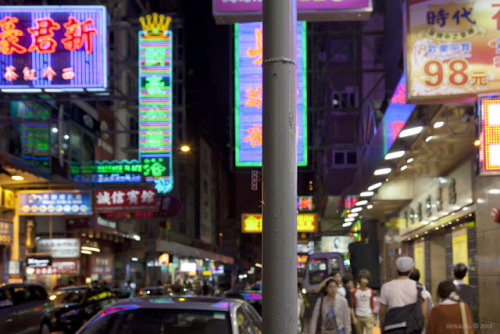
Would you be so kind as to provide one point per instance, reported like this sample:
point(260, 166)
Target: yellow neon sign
point(252, 223)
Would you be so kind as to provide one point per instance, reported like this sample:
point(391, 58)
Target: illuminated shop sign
point(66, 267)
point(6, 234)
point(489, 132)
point(38, 261)
point(59, 248)
point(350, 201)
point(46, 203)
point(305, 203)
point(252, 222)
point(231, 11)
point(155, 97)
point(248, 94)
point(452, 49)
point(396, 115)
point(57, 48)
point(125, 200)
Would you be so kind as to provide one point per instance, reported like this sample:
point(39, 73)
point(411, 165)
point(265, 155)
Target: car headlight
point(70, 313)
point(304, 291)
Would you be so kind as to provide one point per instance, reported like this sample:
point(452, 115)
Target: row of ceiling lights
point(413, 131)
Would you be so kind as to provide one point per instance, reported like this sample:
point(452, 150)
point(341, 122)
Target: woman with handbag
point(331, 312)
point(451, 315)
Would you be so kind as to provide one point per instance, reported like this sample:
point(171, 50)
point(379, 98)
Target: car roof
point(182, 303)
point(73, 287)
point(14, 285)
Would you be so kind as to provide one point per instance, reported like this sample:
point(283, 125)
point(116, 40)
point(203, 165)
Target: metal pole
point(279, 167)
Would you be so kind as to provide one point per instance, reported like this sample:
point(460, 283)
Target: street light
point(185, 148)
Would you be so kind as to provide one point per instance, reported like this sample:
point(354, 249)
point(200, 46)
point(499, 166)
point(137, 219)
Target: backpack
point(407, 319)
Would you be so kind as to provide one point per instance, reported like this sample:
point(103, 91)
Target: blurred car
point(254, 298)
point(74, 305)
point(25, 308)
point(123, 293)
point(155, 291)
point(179, 315)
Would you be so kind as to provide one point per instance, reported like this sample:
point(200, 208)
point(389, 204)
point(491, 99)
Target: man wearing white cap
point(400, 294)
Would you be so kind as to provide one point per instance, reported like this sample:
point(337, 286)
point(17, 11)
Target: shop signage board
point(452, 49)
point(248, 94)
point(47, 202)
point(489, 135)
point(101, 267)
point(252, 222)
point(65, 267)
point(231, 11)
point(57, 48)
point(305, 203)
point(336, 244)
point(6, 233)
point(59, 248)
point(38, 261)
point(119, 200)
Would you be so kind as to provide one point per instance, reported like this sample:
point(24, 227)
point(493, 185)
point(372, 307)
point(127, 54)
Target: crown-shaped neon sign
point(155, 24)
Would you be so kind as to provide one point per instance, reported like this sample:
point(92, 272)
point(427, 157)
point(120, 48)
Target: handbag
point(465, 326)
point(318, 324)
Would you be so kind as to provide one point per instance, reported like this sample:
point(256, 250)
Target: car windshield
point(156, 321)
point(318, 270)
point(69, 297)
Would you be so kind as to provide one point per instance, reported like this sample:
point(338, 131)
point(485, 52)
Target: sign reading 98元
point(53, 47)
point(453, 48)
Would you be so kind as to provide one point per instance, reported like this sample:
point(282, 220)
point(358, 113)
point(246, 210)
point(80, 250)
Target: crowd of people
point(405, 306)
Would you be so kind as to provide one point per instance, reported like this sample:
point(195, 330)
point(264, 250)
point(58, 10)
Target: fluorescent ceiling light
point(410, 160)
point(349, 219)
point(346, 224)
point(428, 139)
point(83, 251)
point(361, 203)
point(356, 210)
point(366, 193)
point(494, 191)
point(403, 168)
point(382, 171)
point(369, 207)
point(17, 177)
point(21, 90)
point(394, 155)
point(411, 131)
point(375, 186)
point(439, 124)
point(93, 249)
point(352, 215)
point(134, 259)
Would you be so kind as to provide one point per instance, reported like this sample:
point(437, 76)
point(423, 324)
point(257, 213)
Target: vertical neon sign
point(35, 137)
point(248, 94)
point(155, 100)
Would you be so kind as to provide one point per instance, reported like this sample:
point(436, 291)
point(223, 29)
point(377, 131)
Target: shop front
point(6, 237)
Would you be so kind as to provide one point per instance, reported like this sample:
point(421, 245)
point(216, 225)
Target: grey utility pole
point(279, 168)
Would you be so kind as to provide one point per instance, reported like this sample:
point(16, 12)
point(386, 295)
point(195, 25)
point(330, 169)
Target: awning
point(176, 248)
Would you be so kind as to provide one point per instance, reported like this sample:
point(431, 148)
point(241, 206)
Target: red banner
point(65, 267)
point(125, 200)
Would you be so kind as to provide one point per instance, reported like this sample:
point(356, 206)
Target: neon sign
point(305, 203)
point(57, 48)
point(252, 222)
point(155, 98)
point(248, 94)
point(489, 132)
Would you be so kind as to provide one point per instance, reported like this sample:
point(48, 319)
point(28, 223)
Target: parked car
point(25, 308)
point(123, 293)
point(179, 315)
point(155, 291)
point(76, 304)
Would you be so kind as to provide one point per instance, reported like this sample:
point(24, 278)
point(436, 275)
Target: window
point(5, 299)
point(245, 324)
point(20, 295)
point(344, 159)
point(37, 294)
point(318, 270)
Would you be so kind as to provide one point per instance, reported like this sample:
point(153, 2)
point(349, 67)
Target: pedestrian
point(451, 315)
point(415, 275)
point(466, 292)
point(362, 304)
point(403, 308)
point(335, 275)
point(331, 313)
point(348, 285)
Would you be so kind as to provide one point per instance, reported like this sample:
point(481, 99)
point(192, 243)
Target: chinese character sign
point(125, 199)
point(252, 222)
point(453, 49)
point(41, 203)
point(248, 91)
point(53, 47)
point(155, 99)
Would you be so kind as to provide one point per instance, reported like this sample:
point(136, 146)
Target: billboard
point(56, 48)
point(232, 11)
point(155, 98)
point(248, 94)
point(47, 203)
point(452, 49)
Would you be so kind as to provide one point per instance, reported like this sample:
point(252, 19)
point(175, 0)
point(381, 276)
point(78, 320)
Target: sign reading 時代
point(452, 49)
point(53, 47)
